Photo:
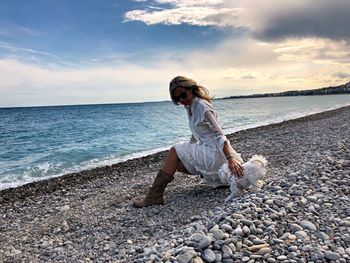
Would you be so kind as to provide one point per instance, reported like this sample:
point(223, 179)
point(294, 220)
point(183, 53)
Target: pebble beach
point(302, 214)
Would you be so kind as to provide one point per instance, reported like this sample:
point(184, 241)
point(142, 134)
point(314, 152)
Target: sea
point(37, 143)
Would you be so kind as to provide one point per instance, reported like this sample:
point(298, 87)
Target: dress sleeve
point(211, 121)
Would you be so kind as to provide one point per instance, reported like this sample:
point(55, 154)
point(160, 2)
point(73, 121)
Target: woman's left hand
point(235, 167)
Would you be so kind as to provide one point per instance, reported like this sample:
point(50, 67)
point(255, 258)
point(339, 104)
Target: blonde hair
point(188, 84)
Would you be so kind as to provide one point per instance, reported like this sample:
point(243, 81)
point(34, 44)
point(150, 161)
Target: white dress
point(204, 154)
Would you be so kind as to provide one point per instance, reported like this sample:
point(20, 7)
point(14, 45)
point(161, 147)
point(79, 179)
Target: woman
point(207, 150)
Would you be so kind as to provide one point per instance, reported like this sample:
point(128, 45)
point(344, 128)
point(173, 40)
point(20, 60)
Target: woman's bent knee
point(181, 168)
point(173, 152)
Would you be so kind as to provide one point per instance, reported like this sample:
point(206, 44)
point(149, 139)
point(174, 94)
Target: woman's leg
point(164, 176)
point(172, 163)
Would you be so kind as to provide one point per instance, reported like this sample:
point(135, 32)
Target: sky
point(115, 51)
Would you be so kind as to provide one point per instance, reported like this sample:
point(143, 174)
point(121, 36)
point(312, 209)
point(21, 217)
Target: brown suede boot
point(155, 193)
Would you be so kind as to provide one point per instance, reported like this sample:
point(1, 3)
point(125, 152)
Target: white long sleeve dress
point(204, 154)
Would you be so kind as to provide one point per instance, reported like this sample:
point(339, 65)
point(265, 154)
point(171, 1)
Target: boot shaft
point(156, 192)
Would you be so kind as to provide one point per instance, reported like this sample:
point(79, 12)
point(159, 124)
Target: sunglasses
point(182, 95)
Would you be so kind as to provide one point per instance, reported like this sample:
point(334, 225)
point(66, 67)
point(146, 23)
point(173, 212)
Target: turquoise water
point(42, 142)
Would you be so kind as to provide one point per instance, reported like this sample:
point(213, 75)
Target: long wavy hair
point(188, 84)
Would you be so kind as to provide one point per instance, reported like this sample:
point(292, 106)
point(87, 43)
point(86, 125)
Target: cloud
point(231, 68)
point(258, 67)
point(317, 50)
point(267, 20)
point(32, 84)
point(325, 19)
point(342, 75)
point(197, 13)
point(14, 49)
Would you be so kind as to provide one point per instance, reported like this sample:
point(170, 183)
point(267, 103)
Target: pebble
point(197, 260)
point(301, 234)
point(308, 225)
point(331, 255)
point(282, 257)
point(323, 235)
point(226, 250)
point(202, 240)
point(264, 250)
point(209, 255)
point(293, 248)
point(217, 232)
point(186, 257)
point(295, 228)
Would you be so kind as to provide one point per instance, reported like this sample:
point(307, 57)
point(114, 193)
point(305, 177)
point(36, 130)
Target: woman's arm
point(233, 159)
point(233, 163)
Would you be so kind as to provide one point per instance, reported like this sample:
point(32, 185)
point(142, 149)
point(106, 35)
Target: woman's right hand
point(235, 167)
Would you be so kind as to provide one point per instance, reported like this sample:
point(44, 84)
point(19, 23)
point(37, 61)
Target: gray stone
point(301, 234)
point(246, 230)
point(239, 245)
point(330, 255)
point(307, 248)
point(226, 250)
point(226, 227)
point(218, 257)
point(318, 254)
point(264, 250)
point(295, 228)
point(238, 216)
point(293, 248)
point(312, 198)
point(323, 235)
point(186, 257)
point(232, 247)
point(308, 225)
point(341, 251)
point(218, 233)
point(246, 222)
point(271, 260)
point(282, 257)
point(209, 255)
point(202, 240)
point(258, 241)
point(238, 231)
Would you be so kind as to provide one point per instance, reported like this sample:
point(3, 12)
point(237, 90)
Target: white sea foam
point(15, 180)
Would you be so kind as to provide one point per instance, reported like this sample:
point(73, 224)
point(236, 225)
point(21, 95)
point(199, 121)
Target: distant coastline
point(341, 89)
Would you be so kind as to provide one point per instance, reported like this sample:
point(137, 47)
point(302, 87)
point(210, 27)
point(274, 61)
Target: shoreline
point(301, 213)
point(71, 179)
point(86, 165)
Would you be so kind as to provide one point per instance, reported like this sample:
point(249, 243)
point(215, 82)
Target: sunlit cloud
point(31, 84)
point(316, 50)
point(197, 13)
point(266, 19)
